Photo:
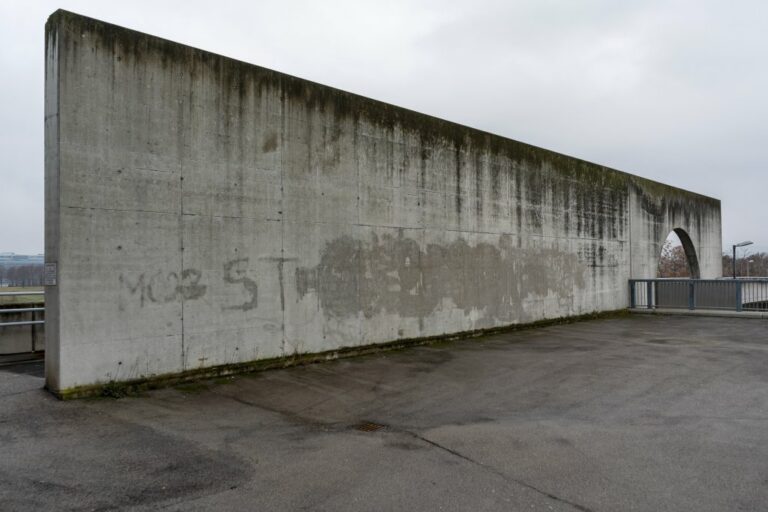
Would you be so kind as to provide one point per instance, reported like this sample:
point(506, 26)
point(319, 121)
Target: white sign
point(50, 274)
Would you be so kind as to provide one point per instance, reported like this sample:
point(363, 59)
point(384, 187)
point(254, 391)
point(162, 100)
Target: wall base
point(119, 389)
point(759, 315)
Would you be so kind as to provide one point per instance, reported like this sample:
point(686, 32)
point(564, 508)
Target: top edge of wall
point(377, 112)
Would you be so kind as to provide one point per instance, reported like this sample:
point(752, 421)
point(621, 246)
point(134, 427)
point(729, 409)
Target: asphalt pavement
point(647, 413)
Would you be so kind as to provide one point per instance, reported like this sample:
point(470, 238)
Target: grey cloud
point(673, 90)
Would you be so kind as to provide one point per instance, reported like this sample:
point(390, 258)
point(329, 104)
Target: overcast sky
point(675, 91)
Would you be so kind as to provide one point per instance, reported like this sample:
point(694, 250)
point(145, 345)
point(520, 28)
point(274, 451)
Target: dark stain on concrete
point(394, 274)
point(270, 143)
point(120, 464)
point(240, 79)
point(457, 149)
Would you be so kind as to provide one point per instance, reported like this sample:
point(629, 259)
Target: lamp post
point(740, 244)
point(748, 262)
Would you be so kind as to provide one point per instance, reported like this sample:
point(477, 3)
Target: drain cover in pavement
point(369, 426)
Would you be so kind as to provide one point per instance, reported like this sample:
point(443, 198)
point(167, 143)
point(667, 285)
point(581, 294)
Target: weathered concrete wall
point(204, 211)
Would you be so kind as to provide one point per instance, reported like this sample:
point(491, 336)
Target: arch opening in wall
point(678, 256)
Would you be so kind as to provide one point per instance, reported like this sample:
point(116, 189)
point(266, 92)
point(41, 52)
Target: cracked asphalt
point(647, 413)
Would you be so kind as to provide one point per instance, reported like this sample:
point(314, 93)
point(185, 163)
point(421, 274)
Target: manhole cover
point(369, 426)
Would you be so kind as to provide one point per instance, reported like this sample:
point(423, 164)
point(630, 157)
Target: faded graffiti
point(394, 274)
point(163, 287)
point(235, 272)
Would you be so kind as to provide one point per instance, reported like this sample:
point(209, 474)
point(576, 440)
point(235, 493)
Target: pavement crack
point(498, 473)
point(293, 417)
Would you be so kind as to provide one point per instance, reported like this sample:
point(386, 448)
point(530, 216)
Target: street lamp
point(748, 262)
point(740, 244)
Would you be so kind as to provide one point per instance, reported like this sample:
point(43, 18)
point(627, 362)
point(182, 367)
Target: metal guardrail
point(21, 310)
point(743, 294)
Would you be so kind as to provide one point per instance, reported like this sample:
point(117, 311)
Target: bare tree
point(22, 275)
point(673, 262)
point(753, 265)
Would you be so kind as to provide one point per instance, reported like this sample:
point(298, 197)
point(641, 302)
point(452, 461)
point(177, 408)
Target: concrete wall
point(203, 211)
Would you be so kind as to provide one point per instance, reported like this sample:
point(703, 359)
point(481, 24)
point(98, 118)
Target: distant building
point(10, 259)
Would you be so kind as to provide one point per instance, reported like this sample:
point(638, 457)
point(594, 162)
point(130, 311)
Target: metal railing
point(31, 309)
point(743, 294)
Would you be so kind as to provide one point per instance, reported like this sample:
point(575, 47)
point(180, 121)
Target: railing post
point(738, 296)
point(692, 294)
point(649, 292)
point(632, 301)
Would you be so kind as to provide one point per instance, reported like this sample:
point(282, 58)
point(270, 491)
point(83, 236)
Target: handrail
point(29, 322)
point(719, 280)
point(31, 309)
point(20, 310)
point(742, 294)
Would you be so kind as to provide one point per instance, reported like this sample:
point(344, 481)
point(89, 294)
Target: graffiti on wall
point(161, 287)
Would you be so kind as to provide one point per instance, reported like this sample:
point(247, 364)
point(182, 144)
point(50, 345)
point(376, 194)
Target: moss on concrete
point(237, 77)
